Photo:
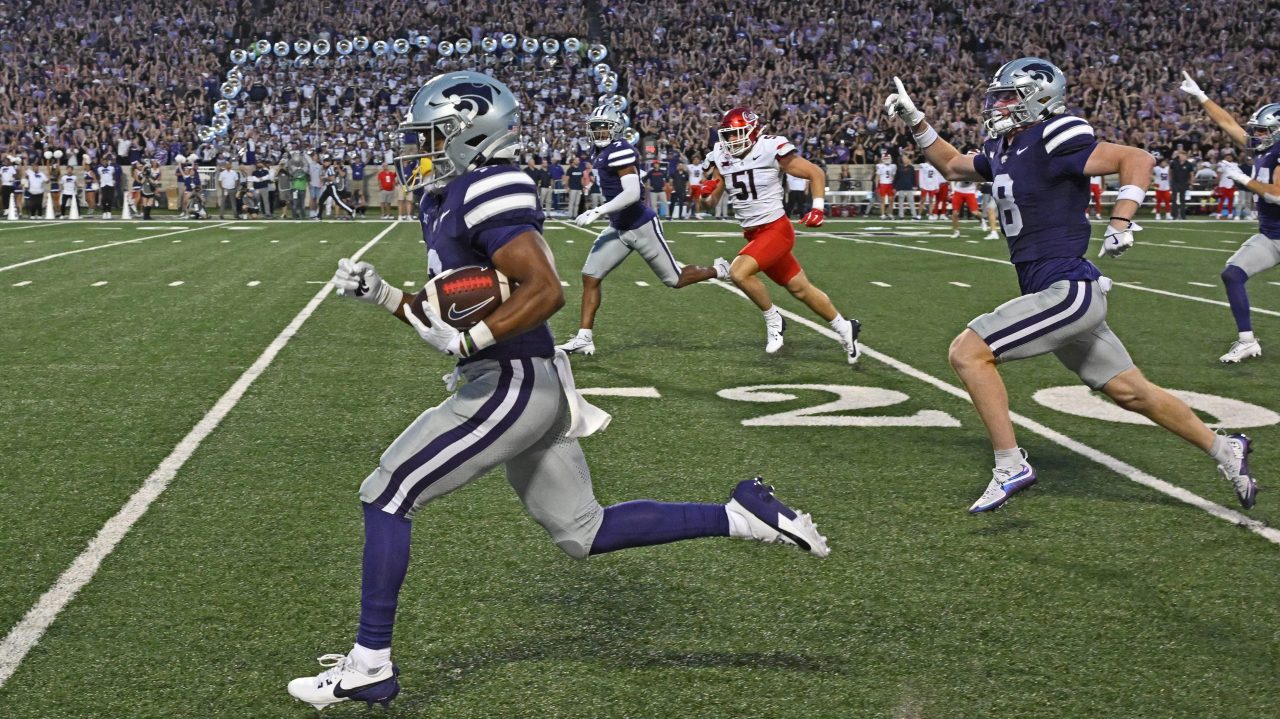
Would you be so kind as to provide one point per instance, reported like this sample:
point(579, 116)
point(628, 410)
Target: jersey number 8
point(1010, 217)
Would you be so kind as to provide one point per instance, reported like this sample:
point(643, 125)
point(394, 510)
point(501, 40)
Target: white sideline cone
point(74, 213)
point(12, 212)
point(48, 205)
point(124, 210)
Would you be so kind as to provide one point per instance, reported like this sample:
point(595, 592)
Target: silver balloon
point(302, 63)
point(462, 46)
point(230, 89)
point(321, 47)
point(597, 52)
point(602, 69)
point(489, 45)
point(344, 46)
point(572, 45)
point(302, 47)
point(619, 102)
point(361, 43)
point(549, 62)
point(222, 107)
point(206, 134)
point(263, 62)
point(422, 42)
point(609, 84)
point(281, 48)
point(445, 48)
point(239, 57)
point(631, 136)
point(400, 46)
point(380, 47)
point(550, 46)
point(508, 41)
point(235, 74)
point(529, 45)
point(342, 61)
point(262, 47)
point(221, 124)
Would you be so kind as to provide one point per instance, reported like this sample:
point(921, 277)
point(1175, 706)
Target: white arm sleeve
point(629, 196)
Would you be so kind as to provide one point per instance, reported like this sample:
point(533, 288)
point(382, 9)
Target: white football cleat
point(722, 268)
point(849, 339)
point(770, 521)
point(1237, 470)
point(579, 345)
point(993, 235)
point(773, 334)
point(955, 233)
point(341, 682)
point(1241, 350)
point(1004, 484)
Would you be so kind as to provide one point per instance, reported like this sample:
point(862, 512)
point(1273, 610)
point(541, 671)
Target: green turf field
point(1090, 595)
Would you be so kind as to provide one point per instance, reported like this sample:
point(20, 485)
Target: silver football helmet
point(605, 124)
point(1023, 92)
point(457, 122)
point(1264, 127)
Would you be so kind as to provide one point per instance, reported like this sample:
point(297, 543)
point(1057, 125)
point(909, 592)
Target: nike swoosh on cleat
point(343, 693)
point(455, 315)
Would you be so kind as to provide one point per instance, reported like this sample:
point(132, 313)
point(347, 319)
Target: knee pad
point(1232, 275)
point(573, 548)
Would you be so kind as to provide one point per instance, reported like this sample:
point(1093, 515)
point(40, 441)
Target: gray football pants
point(509, 412)
point(613, 246)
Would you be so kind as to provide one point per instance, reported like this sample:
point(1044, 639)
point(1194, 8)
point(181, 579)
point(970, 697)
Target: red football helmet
point(739, 130)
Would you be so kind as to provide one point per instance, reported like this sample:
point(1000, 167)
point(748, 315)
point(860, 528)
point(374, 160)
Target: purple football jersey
point(472, 218)
point(1041, 193)
point(611, 158)
point(1264, 170)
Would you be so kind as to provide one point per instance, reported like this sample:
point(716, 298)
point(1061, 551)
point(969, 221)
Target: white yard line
point(1118, 466)
point(103, 247)
point(980, 258)
point(27, 632)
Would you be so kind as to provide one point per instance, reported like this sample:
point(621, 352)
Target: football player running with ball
point(1039, 161)
point(749, 165)
point(518, 407)
point(1261, 251)
point(633, 227)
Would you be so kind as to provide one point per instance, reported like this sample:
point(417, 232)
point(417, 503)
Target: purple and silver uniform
point(1264, 170)
point(472, 218)
point(608, 161)
point(1041, 193)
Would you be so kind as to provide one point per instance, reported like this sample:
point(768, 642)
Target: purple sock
point(644, 522)
point(386, 560)
point(1234, 278)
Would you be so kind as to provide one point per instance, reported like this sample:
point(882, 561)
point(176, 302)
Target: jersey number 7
point(745, 190)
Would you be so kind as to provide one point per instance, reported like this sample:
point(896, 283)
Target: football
point(464, 296)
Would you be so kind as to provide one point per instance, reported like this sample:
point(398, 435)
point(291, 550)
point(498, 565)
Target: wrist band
point(481, 337)
point(926, 138)
point(1113, 218)
point(1131, 192)
point(819, 204)
point(391, 297)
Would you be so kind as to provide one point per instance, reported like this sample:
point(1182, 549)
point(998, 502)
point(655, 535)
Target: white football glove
point(1234, 174)
point(1190, 87)
point(900, 104)
point(1117, 242)
point(361, 281)
point(587, 218)
point(435, 332)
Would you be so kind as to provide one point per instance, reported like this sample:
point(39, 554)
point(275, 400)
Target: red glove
point(709, 186)
point(814, 218)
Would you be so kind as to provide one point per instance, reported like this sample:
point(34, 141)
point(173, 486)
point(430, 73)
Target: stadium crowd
point(133, 80)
